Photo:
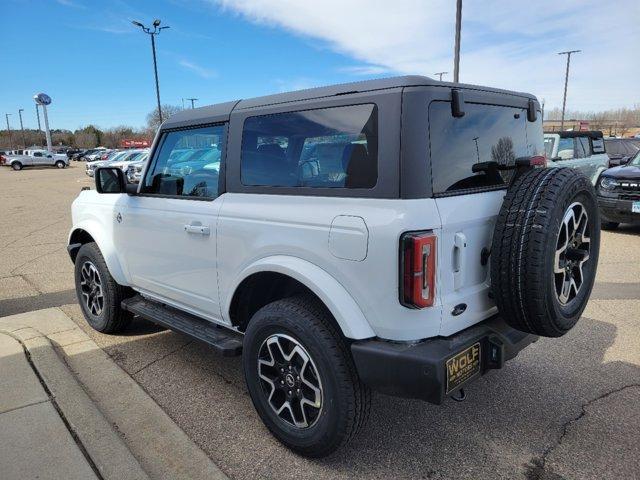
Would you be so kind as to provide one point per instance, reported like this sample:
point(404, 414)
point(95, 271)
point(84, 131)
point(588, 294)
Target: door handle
point(200, 229)
point(459, 248)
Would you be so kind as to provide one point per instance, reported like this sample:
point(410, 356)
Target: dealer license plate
point(635, 207)
point(463, 366)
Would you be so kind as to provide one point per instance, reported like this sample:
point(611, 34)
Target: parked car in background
point(93, 154)
point(584, 151)
point(119, 159)
point(621, 150)
point(134, 169)
point(72, 152)
point(619, 194)
point(36, 158)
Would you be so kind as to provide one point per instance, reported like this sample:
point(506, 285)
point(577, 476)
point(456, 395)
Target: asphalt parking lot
point(565, 408)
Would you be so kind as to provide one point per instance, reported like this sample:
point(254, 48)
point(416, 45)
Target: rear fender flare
point(340, 303)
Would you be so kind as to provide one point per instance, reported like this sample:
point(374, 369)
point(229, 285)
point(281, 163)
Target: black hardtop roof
point(583, 133)
point(221, 111)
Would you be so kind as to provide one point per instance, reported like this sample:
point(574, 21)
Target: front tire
point(60, 164)
point(301, 377)
point(98, 293)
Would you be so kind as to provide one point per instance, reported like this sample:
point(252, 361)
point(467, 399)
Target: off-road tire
point(523, 252)
point(112, 318)
point(346, 401)
point(16, 166)
point(609, 225)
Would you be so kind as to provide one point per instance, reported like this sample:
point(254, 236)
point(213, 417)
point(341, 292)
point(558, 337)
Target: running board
point(224, 341)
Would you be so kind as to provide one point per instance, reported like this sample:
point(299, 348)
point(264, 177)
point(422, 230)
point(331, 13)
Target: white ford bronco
point(397, 235)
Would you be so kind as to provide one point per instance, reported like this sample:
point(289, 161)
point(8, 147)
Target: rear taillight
point(417, 269)
point(538, 161)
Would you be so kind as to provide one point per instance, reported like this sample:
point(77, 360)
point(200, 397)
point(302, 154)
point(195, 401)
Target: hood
point(624, 172)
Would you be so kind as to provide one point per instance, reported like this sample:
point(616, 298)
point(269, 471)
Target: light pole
point(24, 140)
point(192, 100)
point(456, 56)
point(6, 115)
point(156, 31)
point(39, 126)
point(566, 81)
point(440, 74)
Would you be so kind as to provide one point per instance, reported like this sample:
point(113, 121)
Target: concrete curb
point(107, 400)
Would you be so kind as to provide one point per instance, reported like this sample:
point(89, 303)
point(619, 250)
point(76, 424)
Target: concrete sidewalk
point(68, 411)
point(35, 440)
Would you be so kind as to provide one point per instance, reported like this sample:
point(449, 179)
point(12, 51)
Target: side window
point(324, 148)
point(37, 154)
point(598, 146)
point(187, 163)
point(565, 149)
point(586, 147)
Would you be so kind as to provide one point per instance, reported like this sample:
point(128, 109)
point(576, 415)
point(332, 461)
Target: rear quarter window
point(486, 133)
point(322, 148)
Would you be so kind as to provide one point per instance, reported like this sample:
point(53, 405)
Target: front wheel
point(60, 164)
point(301, 377)
point(98, 293)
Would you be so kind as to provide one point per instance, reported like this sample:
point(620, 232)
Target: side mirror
point(110, 180)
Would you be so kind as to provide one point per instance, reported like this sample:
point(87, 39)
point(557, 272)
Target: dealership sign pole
point(43, 100)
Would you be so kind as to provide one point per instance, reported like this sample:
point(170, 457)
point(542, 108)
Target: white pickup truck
point(31, 158)
point(393, 235)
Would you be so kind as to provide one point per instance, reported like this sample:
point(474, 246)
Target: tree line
point(616, 121)
point(89, 136)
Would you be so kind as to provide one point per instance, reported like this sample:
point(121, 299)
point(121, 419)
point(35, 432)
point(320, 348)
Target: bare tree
point(153, 120)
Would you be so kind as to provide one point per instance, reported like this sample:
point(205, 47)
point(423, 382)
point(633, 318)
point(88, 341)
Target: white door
point(167, 234)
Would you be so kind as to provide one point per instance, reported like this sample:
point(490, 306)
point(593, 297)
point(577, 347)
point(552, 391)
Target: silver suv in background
point(584, 151)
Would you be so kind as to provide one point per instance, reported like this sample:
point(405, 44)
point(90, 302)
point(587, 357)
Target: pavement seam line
point(61, 414)
point(25, 406)
point(161, 358)
point(541, 462)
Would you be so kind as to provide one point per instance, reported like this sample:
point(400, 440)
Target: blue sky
point(97, 66)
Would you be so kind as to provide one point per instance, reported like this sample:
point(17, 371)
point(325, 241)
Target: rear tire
point(60, 164)
point(321, 419)
point(545, 251)
point(98, 293)
point(609, 225)
point(16, 166)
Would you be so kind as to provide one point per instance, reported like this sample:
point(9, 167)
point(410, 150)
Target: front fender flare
point(106, 246)
point(340, 303)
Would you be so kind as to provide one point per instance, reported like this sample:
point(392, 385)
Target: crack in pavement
point(535, 470)
point(162, 357)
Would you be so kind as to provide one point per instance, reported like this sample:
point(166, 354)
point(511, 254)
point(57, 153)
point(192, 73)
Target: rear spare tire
point(545, 249)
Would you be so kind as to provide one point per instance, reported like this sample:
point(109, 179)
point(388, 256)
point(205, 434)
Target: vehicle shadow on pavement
point(510, 426)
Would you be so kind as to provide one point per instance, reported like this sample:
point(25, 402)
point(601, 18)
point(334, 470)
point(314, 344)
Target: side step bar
point(224, 341)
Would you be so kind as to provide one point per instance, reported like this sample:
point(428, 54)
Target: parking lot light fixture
point(566, 81)
point(440, 74)
point(24, 140)
point(152, 33)
point(6, 115)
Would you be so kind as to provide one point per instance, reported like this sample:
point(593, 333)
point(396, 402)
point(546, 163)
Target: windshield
point(635, 161)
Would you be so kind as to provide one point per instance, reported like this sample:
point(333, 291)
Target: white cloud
point(505, 43)
point(199, 70)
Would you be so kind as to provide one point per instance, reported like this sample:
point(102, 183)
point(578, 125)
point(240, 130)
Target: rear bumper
point(419, 370)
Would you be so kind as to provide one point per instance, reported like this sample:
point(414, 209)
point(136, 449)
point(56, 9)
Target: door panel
point(467, 228)
point(164, 258)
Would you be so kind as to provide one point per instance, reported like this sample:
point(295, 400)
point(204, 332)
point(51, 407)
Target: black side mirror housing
point(110, 180)
point(131, 188)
